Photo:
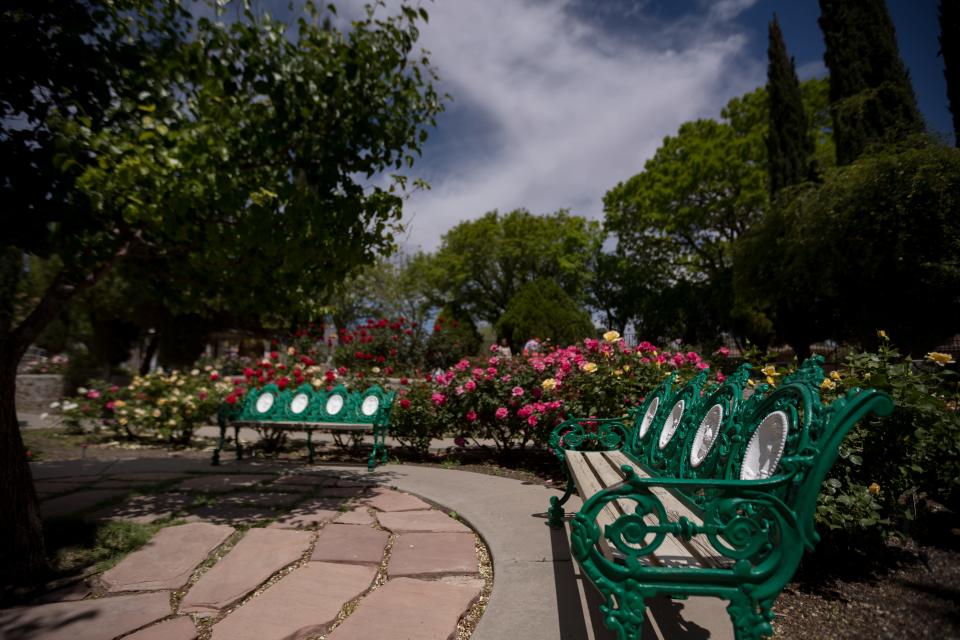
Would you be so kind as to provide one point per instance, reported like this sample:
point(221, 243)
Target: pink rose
point(470, 385)
point(471, 416)
point(723, 351)
point(517, 391)
point(93, 394)
point(438, 399)
point(720, 376)
point(502, 413)
point(525, 411)
point(532, 421)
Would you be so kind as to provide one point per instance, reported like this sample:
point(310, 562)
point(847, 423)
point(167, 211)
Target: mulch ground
point(910, 590)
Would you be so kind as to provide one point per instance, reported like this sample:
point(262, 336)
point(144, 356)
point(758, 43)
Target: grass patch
point(75, 545)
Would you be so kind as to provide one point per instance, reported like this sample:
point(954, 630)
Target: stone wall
point(35, 392)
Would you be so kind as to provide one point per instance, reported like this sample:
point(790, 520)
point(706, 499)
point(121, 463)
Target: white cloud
point(568, 110)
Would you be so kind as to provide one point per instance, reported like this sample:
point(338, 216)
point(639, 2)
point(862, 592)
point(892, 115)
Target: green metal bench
point(309, 410)
point(704, 494)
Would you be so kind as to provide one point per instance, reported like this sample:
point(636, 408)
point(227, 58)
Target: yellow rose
point(626, 367)
point(618, 372)
point(317, 383)
point(828, 384)
point(769, 371)
point(119, 403)
point(939, 359)
point(611, 336)
point(834, 375)
point(882, 334)
point(156, 413)
point(291, 351)
point(771, 381)
point(874, 488)
point(162, 401)
point(549, 384)
point(589, 367)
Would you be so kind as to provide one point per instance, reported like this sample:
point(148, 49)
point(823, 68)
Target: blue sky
point(555, 101)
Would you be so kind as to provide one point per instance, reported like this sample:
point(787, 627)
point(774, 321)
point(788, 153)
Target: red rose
point(274, 355)
point(404, 403)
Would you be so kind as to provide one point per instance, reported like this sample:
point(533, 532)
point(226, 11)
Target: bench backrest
point(306, 404)
point(785, 434)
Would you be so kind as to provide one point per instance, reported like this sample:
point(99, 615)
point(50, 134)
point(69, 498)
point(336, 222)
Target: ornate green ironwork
point(758, 528)
point(309, 410)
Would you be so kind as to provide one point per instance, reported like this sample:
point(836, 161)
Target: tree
point(483, 263)
point(871, 97)
point(874, 247)
point(228, 164)
point(542, 309)
point(790, 146)
point(950, 50)
point(675, 221)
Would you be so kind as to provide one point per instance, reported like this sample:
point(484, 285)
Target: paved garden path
point(257, 554)
point(281, 551)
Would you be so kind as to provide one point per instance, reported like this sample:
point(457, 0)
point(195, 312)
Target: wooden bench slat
point(671, 553)
point(588, 484)
point(304, 426)
point(699, 546)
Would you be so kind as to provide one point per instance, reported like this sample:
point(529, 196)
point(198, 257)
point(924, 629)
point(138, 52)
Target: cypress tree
point(950, 50)
point(871, 97)
point(790, 146)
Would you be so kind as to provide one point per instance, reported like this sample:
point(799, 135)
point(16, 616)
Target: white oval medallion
point(673, 421)
point(706, 435)
point(334, 404)
point(765, 447)
point(299, 403)
point(648, 416)
point(264, 402)
point(370, 405)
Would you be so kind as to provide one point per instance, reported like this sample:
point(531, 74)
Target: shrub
point(893, 469)
point(541, 309)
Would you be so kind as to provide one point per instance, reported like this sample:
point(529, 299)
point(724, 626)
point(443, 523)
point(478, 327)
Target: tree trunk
point(22, 557)
point(152, 343)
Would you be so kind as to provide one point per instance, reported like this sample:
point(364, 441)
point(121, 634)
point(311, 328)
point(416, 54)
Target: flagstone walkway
point(260, 556)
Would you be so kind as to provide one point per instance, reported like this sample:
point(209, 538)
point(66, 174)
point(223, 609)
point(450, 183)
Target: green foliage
point(875, 245)
point(454, 336)
point(950, 50)
point(541, 309)
point(871, 97)
point(891, 468)
point(483, 263)
point(790, 146)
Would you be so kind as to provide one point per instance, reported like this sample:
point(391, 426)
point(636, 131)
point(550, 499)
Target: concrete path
point(269, 551)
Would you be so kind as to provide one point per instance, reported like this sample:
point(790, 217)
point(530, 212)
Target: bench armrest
point(589, 434)
point(745, 522)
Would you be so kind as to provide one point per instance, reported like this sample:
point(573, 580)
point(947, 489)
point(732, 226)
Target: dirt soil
point(913, 591)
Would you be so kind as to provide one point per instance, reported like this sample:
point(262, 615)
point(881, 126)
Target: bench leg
point(751, 620)
point(310, 446)
point(216, 452)
point(555, 511)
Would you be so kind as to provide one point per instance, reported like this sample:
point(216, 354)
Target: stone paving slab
point(302, 604)
point(432, 520)
point(179, 628)
point(98, 619)
point(309, 514)
point(341, 492)
point(258, 555)
point(147, 508)
point(76, 502)
point(350, 543)
point(387, 611)
point(390, 500)
point(167, 561)
point(433, 554)
point(232, 514)
point(260, 499)
point(360, 515)
point(148, 476)
point(221, 483)
point(305, 479)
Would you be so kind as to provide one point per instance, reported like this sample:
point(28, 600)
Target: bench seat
point(308, 410)
point(703, 491)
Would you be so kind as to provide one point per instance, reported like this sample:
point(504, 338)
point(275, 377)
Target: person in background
point(504, 349)
point(531, 346)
